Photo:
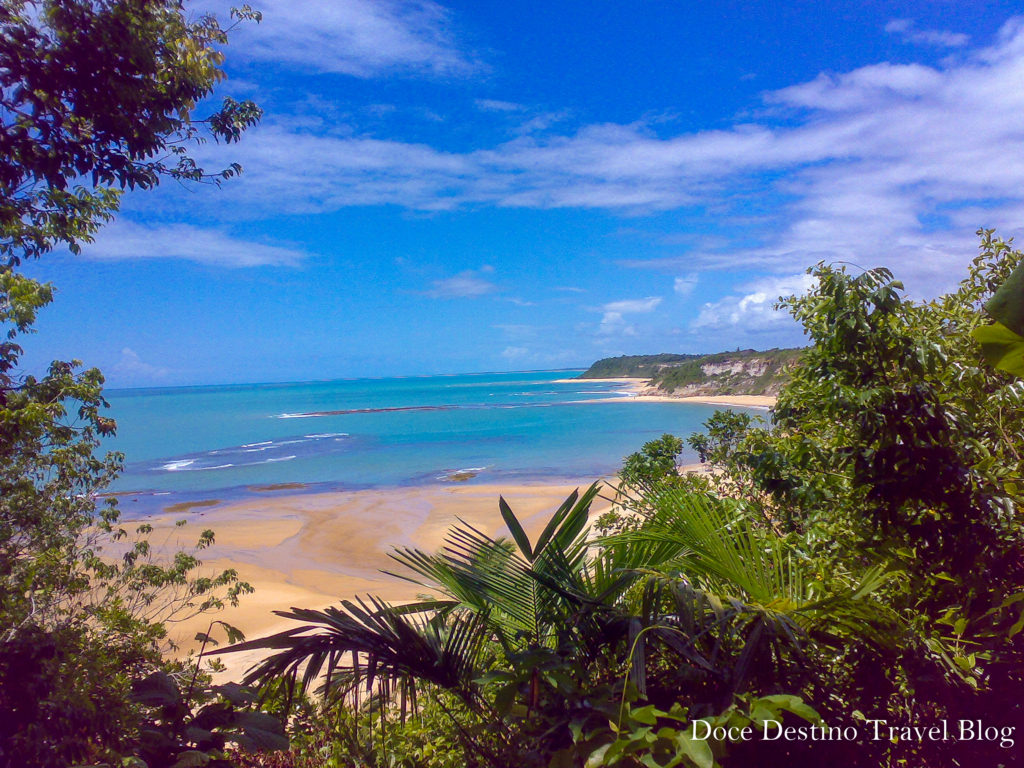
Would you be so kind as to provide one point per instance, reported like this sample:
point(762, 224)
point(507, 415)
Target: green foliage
point(196, 728)
point(658, 739)
point(84, 603)
point(1001, 347)
point(895, 444)
point(96, 96)
point(1002, 343)
point(654, 463)
point(635, 366)
point(643, 473)
point(538, 650)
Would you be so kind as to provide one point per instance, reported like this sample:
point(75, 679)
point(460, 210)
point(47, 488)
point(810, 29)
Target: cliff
point(744, 372)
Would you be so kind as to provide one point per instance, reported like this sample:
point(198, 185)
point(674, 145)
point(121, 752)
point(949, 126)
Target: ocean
point(224, 442)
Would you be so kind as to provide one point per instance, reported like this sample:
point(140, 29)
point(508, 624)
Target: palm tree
point(734, 599)
point(694, 606)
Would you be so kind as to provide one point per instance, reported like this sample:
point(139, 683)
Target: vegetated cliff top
point(743, 372)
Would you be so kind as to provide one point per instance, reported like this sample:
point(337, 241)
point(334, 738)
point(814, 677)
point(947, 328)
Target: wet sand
point(312, 550)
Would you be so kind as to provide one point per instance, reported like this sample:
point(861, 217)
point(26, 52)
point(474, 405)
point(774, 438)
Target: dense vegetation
point(95, 97)
point(858, 560)
point(632, 366)
point(744, 372)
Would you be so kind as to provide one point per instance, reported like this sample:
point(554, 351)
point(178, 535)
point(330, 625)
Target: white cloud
point(685, 285)
point(515, 353)
point(363, 38)
point(130, 369)
point(889, 163)
point(613, 320)
point(753, 310)
point(633, 305)
point(909, 33)
point(496, 105)
point(125, 240)
point(465, 285)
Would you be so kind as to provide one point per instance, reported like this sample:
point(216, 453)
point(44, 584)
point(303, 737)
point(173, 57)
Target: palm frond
point(519, 586)
point(371, 639)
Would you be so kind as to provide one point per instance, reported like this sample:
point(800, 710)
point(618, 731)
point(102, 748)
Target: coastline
point(740, 401)
point(308, 547)
point(639, 391)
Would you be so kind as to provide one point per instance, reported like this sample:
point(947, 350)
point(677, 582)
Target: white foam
point(174, 466)
point(326, 435)
point(295, 416)
point(253, 445)
point(283, 458)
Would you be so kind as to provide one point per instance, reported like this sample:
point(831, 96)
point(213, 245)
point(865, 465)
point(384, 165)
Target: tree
point(96, 96)
point(896, 444)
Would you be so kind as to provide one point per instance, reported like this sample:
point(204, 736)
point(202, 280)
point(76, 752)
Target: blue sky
point(480, 186)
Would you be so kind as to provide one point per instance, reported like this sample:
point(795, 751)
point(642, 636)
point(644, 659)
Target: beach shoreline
point(637, 390)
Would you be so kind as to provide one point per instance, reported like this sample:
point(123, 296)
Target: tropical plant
point(895, 444)
point(96, 96)
point(497, 600)
point(198, 727)
point(548, 645)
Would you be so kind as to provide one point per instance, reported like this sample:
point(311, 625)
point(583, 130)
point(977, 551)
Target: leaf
point(199, 736)
point(262, 731)
point(237, 694)
point(597, 757)
point(1007, 305)
point(696, 749)
point(795, 705)
point(646, 715)
point(191, 758)
point(522, 540)
point(156, 690)
point(1001, 347)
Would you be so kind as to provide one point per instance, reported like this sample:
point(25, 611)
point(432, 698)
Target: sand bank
point(636, 391)
point(741, 401)
point(312, 550)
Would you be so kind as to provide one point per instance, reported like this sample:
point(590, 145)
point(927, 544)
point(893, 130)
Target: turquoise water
point(382, 432)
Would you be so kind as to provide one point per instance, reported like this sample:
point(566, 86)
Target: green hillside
point(633, 366)
point(744, 372)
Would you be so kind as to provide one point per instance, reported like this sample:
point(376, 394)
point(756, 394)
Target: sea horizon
point(284, 382)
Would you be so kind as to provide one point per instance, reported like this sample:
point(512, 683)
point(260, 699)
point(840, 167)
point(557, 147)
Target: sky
point(486, 186)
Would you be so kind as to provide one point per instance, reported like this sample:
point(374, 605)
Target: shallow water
point(368, 433)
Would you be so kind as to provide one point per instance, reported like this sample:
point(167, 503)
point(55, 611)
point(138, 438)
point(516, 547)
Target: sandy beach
point(743, 401)
point(634, 391)
point(312, 550)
